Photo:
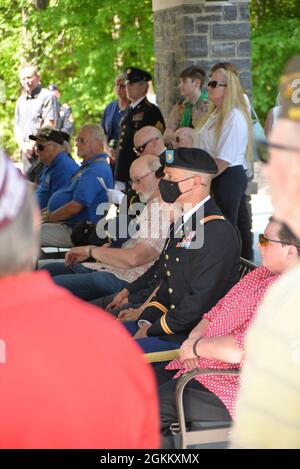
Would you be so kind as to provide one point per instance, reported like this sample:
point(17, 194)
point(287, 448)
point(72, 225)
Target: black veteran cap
point(290, 90)
point(48, 134)
point(134, 75)
point(193, 159)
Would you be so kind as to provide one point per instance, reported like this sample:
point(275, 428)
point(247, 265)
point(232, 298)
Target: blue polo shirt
point(85, 189)
point(54, 177)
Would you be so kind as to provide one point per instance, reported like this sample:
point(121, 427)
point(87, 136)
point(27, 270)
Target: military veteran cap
point(134, 75)
point(290, 90)
point(48, 134)
point(193, 159)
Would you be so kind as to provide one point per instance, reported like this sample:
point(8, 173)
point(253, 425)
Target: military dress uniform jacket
point(145, 113)
point(193, 280)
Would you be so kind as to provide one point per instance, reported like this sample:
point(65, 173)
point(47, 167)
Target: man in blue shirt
point(59, 167)
point(78, 200)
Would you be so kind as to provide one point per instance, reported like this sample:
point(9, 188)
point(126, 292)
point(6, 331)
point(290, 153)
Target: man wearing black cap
point(140, 113)
point(58, 166)
point(65, 119)
point(200, 261)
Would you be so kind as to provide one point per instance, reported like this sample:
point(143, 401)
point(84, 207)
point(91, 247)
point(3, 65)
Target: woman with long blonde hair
point(226, 133)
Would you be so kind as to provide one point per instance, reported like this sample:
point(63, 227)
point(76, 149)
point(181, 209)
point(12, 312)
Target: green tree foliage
point(80, 45)
point(275, 38)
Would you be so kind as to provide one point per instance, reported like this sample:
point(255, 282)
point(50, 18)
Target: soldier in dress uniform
point(140, 113)
point(200, 262)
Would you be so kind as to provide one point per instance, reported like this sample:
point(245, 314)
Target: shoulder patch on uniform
point(160, 126)
point(169, 155)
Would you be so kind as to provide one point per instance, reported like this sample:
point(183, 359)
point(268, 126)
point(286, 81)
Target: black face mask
point(169, 190)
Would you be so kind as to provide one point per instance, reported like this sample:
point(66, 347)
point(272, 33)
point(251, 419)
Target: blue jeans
point(150, 344)
point(85, 283)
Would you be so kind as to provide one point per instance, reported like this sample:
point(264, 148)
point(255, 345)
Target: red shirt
point(232, 315)
point(73, 377)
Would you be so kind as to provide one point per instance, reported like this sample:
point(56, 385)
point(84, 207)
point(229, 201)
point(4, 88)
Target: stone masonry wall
point(199, 34)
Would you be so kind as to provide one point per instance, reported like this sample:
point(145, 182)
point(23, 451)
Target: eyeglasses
point(264, 241)
point(215, 84)
point(138, 180)
point(141, 148)
point(263, 146)
point(41, 147)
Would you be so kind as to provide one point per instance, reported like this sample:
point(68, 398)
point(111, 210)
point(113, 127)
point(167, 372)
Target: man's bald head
point(183, 137)
point(148, 139)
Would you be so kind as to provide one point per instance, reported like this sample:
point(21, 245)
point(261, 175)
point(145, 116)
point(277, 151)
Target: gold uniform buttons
point(165, 265)
point(172, 306)
point(170, 290)
point(168, 273)
point(167, 256)
point(177, 259)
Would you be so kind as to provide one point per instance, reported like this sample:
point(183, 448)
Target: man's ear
point(292, 252)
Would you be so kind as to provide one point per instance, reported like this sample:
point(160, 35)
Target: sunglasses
point(264, 241)
point(138, 180)
point(215, 84)
point(41, 147)
point(141, 148)
point(263, 152)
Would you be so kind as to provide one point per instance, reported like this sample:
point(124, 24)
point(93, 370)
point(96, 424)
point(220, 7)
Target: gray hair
point(19, 241)
point(95, 130)
point(30, 67)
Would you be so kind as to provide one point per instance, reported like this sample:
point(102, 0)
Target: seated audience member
point(115, 268)
point(59, 167)
point(148, 139)
point(183, 138)
point(79, 200)
point(188, 112)
point(218, 340)
point(51, 394)
point(200, 260)
point(268, 403)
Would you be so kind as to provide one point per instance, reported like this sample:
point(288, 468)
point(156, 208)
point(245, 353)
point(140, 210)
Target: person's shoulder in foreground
point(71, 376)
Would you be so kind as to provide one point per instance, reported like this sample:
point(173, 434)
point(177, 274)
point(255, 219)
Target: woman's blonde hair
point(233, 99)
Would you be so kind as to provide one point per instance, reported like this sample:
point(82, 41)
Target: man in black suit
point(200, 262)
point(140, 113)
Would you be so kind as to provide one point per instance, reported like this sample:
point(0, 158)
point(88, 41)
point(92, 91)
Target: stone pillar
point(200, 32)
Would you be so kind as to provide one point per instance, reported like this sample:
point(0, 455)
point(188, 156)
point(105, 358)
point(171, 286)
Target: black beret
point(134, 75)
point(193, 159)
point(290, 90)
point(48, 134)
